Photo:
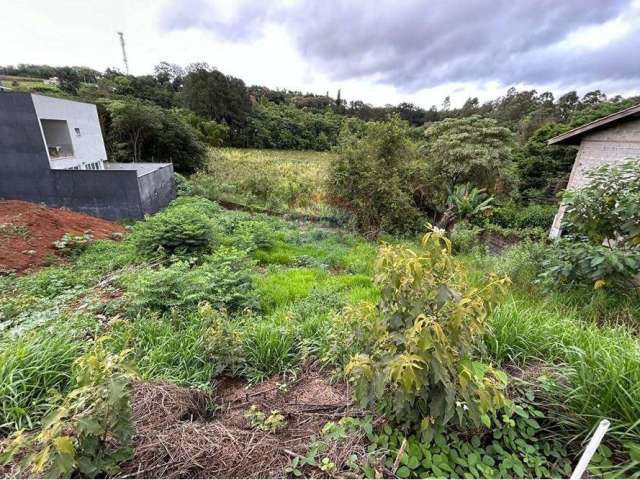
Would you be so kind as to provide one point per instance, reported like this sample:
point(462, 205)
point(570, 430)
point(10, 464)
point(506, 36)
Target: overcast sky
point(383, 51)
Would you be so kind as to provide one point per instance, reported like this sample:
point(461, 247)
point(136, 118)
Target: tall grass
point(274, 179)
point(268, 349)
point(166, 348)
point(34, 367)
point(601, 365)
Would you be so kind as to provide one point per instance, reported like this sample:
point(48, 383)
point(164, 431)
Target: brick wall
point(610, 146)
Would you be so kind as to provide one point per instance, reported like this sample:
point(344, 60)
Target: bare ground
point(183, 433)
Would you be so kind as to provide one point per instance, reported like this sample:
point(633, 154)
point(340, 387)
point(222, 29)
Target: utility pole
point(124, 52)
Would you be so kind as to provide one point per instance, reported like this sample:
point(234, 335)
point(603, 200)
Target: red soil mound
point(28, 230)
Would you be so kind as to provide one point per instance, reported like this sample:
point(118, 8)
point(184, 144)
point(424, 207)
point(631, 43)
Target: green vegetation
point(432, 341)
point(426, 373)
point(602, 219)
point(472, 374)
point(275, 180)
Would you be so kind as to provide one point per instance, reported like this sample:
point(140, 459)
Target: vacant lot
point(277, 180)
point(228, 334)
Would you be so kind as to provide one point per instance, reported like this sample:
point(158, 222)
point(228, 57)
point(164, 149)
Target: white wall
point(88, 147)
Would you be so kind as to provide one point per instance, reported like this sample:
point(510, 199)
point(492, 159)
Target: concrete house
point(52, 151)
point(610, 140)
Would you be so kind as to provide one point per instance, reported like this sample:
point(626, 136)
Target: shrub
point(183, 186)
point(574, 262)
point(375, 174)
point(427, 375)
point(467, 203)
point(72, 245)
point(519, 216)
point(608, 207)
point(357, 329)
point(223, 339)
point(90, 433)
point(465, 237)
point(223, 280)
point(181, 229)
point(250, 235)
point(604, 221)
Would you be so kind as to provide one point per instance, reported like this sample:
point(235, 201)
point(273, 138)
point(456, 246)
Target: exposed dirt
point(28, 230)
point(182, 433)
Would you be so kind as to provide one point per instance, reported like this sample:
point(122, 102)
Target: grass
point(285, 308)
point(169, 348)
point(280, 180)
point(35, 367)
point(601, 365)
point(586, 340)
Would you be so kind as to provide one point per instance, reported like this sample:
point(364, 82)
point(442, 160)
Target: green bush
point(465, 237)
point(183, 186)
point(608, 207)
point(603, 245)
point(427, 374)
point(576, 262)
point(375, 174)
point(223, 280)
point(249, 235)
point(519, 216)
point(182, 229)
point(467, 203)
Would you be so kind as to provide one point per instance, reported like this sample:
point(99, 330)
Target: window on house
point(77, 130)
point(57, 138)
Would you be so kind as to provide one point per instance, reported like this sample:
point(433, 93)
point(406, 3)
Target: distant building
point(52, 151)
point(607, 141)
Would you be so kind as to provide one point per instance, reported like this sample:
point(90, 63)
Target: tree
point(374, 175)
point(216, 96)
point(139, 131)
point(169, 73)
point(177, 142)
point(544, 169)
point(427, 370)
point(134, 122)
point(472, 150)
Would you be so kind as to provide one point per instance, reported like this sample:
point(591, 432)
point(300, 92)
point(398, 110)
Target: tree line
point(176, 112)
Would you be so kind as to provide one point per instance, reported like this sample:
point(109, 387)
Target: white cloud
point(67, 32)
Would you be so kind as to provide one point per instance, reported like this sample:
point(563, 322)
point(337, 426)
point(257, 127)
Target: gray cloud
point(415, 44)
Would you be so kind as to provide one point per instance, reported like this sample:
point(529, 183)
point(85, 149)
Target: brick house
point(607, 141)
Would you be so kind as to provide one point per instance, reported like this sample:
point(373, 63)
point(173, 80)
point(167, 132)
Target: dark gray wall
point(25, 173)
point(157, 189)
point(102, 193)
point(24, 164)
